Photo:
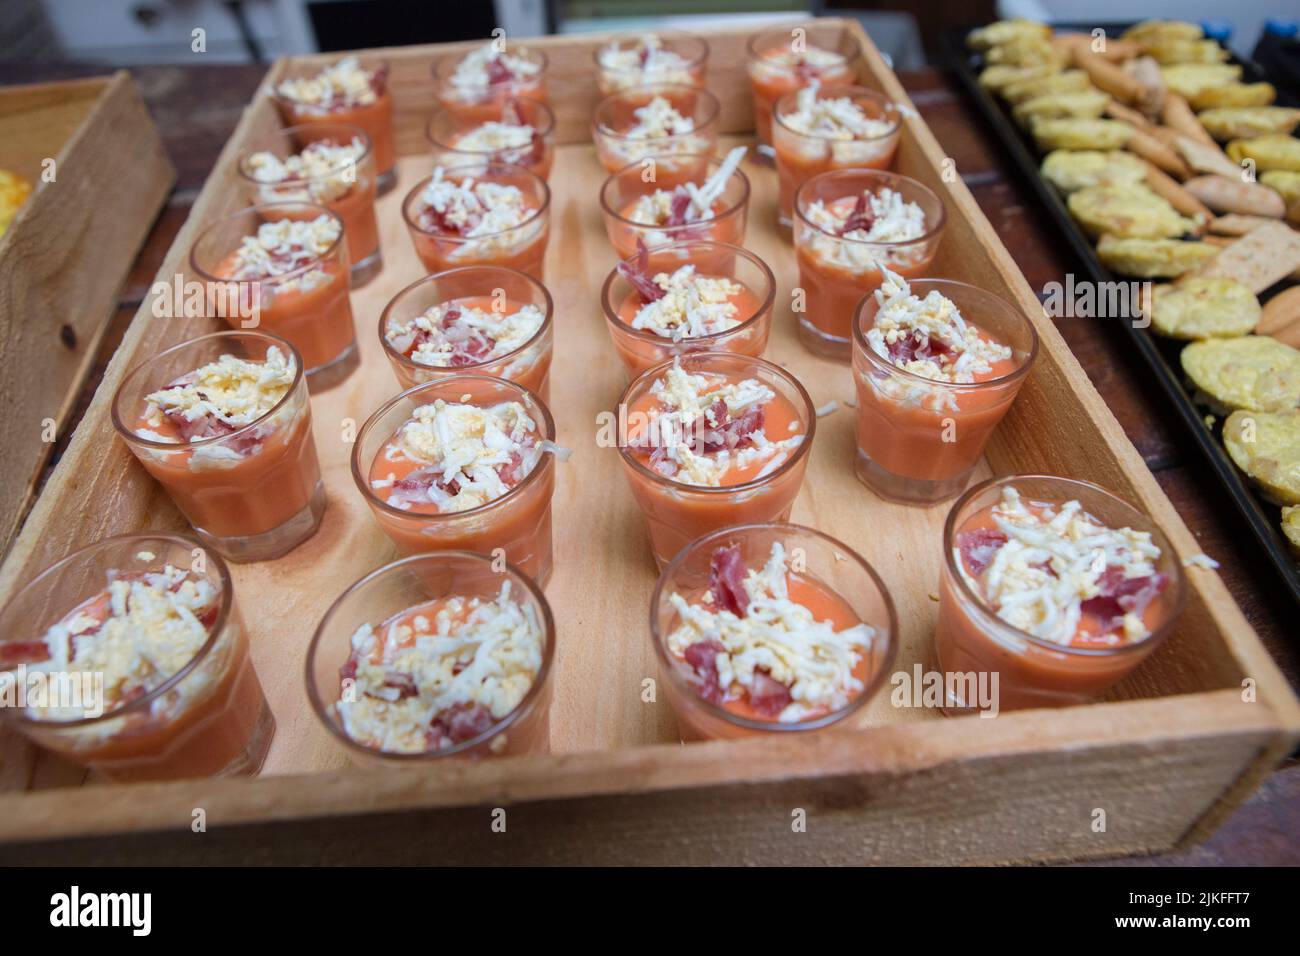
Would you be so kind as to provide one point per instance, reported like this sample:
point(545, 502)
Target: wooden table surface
point(196, 109)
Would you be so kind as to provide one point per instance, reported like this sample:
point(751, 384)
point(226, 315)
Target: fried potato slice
point(1007, 31)
point(1284, 182)
point(1255, 373)
point(1127, 210)
point(1189, 79)
point(1067, 81)
point(1234, 94)
point(1246, 122)
point(1266, 446)
point(1027, 51)
point(1291, 526)
point(1268, 152)
point(996, 78)
point(1167, 52)
point(1153, 258)
point(1200, 308)
point(1080, 134)
point(1086, 105)
point(1073, 169)
point(1156, 31)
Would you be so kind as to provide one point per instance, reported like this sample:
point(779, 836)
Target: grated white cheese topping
point(1019, 588)
point(814, 57)
point(658, 118)
point(837, 118)
point(234, 390)
point(653, 209)
point(695, 305)
point(325, 170)
point(902, 315)
point(780, 637)
point(471, 77)
point(894, 220)
point(627, 68)
point(494, 136)
point(435, 346)
point(686, 401)
point(486, 212)
point(341, 84)
point(151, 631)
point(465, 444)
point(471, 652)
point(283, 246)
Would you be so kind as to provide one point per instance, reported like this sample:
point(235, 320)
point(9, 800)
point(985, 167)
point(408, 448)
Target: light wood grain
point(66, 254)
point(1174, 749)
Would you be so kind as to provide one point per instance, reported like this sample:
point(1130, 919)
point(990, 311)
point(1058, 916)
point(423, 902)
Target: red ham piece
point(678, 206)
point(1120, 595)
point(13, 653)
point(726, 580)
point(209, 616)
point(768, 696)
point(860, 218)
point(915, 345)
point(206, 426)
point(498, 72)
point(806, 71)
point(727, 432)
point(435, 220)
point(349, 669)
point(644, 56)
point(702, 656)
point(978, 547)
point(404, 684)
point(638, 274)
point(458, 724)
point(417, 484)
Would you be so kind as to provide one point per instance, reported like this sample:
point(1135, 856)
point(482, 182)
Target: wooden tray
point(1167, 756)
point(66, 254)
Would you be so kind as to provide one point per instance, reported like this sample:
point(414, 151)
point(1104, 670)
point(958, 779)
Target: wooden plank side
point(1026, 786)
point(64, 258)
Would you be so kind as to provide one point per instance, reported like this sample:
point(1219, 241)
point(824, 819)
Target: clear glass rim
point(445, 66)
point(800, 452)
point(885, 178)
point(524, 706)
point(891, 109)
point(861, 344)
point(766, 304)
point(545, 113)
point(671, 665)
point(712, 110)
point(485, 169)
point(730, 211)
point(396, 356)
point(132, 437)
point(256, 209)
point(761, 38)
point(698, 58)
point(362, 481)
point(374, 63)
point(287, 134)
point(225, 607)
point(1178, 580)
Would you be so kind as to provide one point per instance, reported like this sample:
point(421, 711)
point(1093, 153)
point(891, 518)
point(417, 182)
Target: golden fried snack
point(1067, 81)
point(1167, 52)
point(1007, 31)
point(1291, 526)
point(1127, 210)
point(1081, 134)
point(1178, 116)
point(1072, 169)
point(1189, 79)
point(1234, 94)
point(1106, 75)
point(1254, 372)
point(996, 78)
point(1199, 308)
point(14, 190)
point(1156, 150)
point(1266, 446)
point(1284, 182)
point(1027, 51)
point(1153, 258)
point(1157, 31)
point(1245, 122)
point(1268, 152)
point(1087, 105)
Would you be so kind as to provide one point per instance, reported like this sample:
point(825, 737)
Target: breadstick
point(1153, 150)
point(1117, 110)
point(1162, 184)
point(1176, 114)
point(1107, 75)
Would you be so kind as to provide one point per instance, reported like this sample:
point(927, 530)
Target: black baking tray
point(1160, 355)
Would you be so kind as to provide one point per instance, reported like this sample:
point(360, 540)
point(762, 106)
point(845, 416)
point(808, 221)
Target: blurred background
point(128, 32)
